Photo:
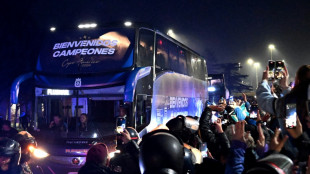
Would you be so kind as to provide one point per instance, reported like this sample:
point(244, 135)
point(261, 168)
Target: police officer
point(161, 153)
point(10, 153)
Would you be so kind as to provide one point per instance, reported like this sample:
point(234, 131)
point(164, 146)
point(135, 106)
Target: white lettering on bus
point(56, 54)
point(178, 102)
point(84, 51)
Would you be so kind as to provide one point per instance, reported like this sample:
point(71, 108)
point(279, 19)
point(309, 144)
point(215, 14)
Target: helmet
point(25, 140)
point(184, 127)
point(133, 134)
point(161, 152)
point(10, 148)
point(273, 164)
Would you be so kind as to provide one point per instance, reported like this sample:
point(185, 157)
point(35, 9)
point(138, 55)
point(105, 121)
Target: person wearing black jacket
point(217, 142)
point(127, 161)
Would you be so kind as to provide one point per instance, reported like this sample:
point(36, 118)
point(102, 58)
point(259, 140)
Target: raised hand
point(276, 144)
point(238, 133)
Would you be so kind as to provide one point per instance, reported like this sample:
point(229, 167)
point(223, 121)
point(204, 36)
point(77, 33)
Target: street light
point(128, 23)
point(256, 65)
point(90, 25)
point(170, 32)
point(271, 47)
point(250, 61)
point(53, 29)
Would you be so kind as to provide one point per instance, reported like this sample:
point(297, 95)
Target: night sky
point(221, 31)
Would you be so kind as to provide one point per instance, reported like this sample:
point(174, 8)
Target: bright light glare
point(170, 32)
point(112, 154)
point(38, 153)
point(52, 29)
point(211, 89)
point(271, 46)
point(92, 25)
point(95, 135)
point(31, 149)
point(250, 61)
point(127, 23)
point(256, 64)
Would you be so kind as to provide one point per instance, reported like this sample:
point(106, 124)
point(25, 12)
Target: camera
point(253, 111)
point(276, 69)
point(291, 115)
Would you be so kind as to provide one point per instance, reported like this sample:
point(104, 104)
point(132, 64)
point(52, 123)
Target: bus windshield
point(62, 114)
point(87, 51)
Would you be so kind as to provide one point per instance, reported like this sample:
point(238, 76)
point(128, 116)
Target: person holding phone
point(281, 108)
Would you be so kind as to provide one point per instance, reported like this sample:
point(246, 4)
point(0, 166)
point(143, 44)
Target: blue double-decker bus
point(97, 71)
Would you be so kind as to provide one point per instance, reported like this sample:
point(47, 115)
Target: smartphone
point(214, 116)
point(279, 70)
point(204, 150)
point(291, 116)
point(231, 100)
point(253, 111)
point(271, 66)
point(119, 129)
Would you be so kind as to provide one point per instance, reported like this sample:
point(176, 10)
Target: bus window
point(189, 63)
point(145, 50)
point(162, 61)
point(203, 69)
point(198, 68)
point(182, 62)
point(173, 57)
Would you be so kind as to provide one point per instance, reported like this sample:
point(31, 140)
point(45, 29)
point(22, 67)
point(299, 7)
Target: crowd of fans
point(233, 137)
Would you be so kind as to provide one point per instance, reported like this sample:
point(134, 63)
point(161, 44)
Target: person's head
point(122, 111)
point(25, 140)
point(98, 154)
point(83, 118)
point(133, 134)
point(222, 101)
point(9, 154)
point(302, 74)
point(178, 127)
point(238, 102)
point(6, 125)
point(161, 152)
point(57, 119)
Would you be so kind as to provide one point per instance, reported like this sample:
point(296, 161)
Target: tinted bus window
point(189, 63)
point(182, 62)
point(173, 57)
point(162, 61)
point(145, 50)
point(197, 67)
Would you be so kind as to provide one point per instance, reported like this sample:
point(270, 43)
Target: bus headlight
point(112, 154)
point(38, 153)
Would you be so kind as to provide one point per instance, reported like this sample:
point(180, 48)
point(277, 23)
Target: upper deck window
point(146, 48)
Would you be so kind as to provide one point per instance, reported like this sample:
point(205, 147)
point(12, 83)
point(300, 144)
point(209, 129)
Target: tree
point(233, 78)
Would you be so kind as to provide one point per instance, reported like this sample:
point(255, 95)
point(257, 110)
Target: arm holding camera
point(264, 97)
